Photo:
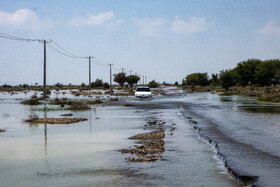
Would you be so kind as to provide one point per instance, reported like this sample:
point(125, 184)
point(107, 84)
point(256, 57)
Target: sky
point(164, 40)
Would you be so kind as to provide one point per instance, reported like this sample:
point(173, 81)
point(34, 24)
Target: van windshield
point(143, 89)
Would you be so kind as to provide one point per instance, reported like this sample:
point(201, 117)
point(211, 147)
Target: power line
point(70, 54)
point(60, 51)
point(57, 48)
point(97, 62)
point(6, 36)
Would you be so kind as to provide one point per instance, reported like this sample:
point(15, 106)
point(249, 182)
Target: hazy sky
point(162, 39)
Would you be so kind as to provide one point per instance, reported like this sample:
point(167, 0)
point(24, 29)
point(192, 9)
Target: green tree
point(246, 71)
point(268, 72)
point(25, 85)
point(132, 79)
point(184, 82)
point(200, 79)
point(97, 83)
point(214, 79)
point(227, 78)
point(153, 84)
point(120, 78)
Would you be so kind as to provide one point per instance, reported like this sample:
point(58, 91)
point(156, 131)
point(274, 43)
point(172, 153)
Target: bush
point(96, 84)
point(34, 100)
point(25, 85)
point(106, 85)
point(59, 85)
point(78, 105)
point(153, 84)
point(6, 86)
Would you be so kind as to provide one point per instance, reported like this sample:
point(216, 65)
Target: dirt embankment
point(151, 145)
point(56, 120)
point(147, 150)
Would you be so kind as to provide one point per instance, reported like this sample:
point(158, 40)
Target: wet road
point(245, 131)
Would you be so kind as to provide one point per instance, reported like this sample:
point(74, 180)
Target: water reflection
point(252, 105)
point(261, 109)
point(225, 99)
point(46, 140)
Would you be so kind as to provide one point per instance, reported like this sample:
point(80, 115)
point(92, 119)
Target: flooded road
point(244, 131)
point(87, 153)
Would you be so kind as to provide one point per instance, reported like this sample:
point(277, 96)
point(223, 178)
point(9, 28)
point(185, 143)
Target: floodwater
point(86, 153)
point(245, 131)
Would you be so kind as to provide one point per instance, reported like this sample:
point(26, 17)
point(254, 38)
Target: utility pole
point(45, 71)
point(89, 73)
point(122, 70)
point(143, 80)
point(45, 66)
point(111, 78)
point(130, 72)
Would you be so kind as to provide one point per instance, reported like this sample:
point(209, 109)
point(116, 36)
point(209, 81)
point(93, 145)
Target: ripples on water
point(247, 131)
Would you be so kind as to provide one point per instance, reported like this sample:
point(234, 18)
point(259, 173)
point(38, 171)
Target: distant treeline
point(251, 72)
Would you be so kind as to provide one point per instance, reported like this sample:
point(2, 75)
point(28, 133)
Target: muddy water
point(86, 153)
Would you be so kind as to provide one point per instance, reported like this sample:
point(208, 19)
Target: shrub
point(34, 100)
point(106, 85)
point(25, 85)
point(6, 86)
point(153, 84)
point(78, 105)
point(96, 84)
point(59, 85)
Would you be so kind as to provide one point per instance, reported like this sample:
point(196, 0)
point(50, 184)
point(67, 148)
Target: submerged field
point(117, 146)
